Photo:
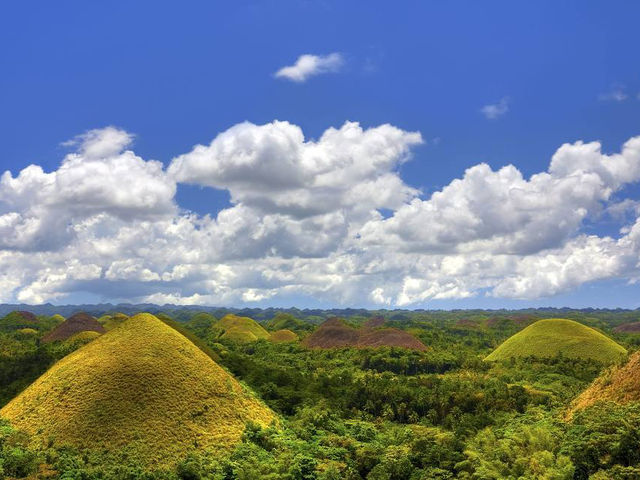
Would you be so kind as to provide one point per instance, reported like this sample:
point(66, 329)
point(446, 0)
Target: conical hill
point(143, 386)
point(239, 329)
point(556, 336)
point(76, 323)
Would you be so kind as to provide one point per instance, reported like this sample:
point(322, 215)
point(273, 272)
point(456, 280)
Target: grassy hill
point(554, 336)
point(201, 323)
point(110, 321)
point(284, 335)
point(79, 322)
point(143, 386)
point(620, 384)
point(286, 321)
point(239, 329)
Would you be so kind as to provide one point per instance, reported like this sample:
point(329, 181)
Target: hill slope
point(334, 333)
point(141, 385)
point(554, 336)
point(620, 384)
point(79, 322)
point(239, 329)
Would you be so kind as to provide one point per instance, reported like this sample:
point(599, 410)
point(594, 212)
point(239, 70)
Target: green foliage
point(353, 414)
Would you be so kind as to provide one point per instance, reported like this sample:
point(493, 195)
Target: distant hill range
point(99, 309)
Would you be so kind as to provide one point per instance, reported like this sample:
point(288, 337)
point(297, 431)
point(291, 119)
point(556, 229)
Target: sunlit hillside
point(553, 337)
point(142, 385)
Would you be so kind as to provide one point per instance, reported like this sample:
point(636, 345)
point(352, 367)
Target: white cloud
point(274, 169)
point(616, 94)
point(310, 65)
point(38, 210)
point(496, 110)
point(304, 222)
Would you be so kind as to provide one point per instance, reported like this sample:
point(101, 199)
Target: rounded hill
point(76, 323)
point(143, 386)
point(556, 336)
point(239, 329)
point(111, 321)
point(17, 320)
point(334, 333)
point(282, 336)
point(628, 328)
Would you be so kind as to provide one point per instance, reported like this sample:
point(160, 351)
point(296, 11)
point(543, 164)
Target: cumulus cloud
point(274, 168)
point(305, 221)
point(311, 65)
point(502, 212)
point(493, 111)
point(38, 210)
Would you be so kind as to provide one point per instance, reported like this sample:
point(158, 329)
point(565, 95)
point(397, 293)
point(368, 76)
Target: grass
point(109, 322)
point(555, 336)
point(142, 385)
point(620, 384)
point(283, 336)
point(239, 329)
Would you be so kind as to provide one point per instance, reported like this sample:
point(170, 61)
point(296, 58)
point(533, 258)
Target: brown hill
point(628, 328)
point(28, 316)
point(79, 322)
point(521, 320)
point(467, 323)
point(390, 337)
point(334, 333)
point(619, 384)
point(374, 322)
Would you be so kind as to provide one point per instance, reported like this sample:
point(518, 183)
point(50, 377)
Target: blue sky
point(175, 76)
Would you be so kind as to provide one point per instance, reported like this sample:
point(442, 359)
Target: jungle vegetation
point(338, 413)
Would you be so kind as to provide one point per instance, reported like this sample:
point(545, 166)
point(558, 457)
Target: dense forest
point(367, 412)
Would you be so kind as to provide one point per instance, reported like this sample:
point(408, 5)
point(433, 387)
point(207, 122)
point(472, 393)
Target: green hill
point(201, 323)
point(143, 386)
point(555, 336)
point(239, 329)
point(110, 321)
point(282, 336)
point(286, 321)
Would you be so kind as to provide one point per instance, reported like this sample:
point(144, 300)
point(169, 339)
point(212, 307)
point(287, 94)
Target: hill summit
point(79, 322)
point(239, 329)
point(556, 336)
point(334, 333)
point(143, 386)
